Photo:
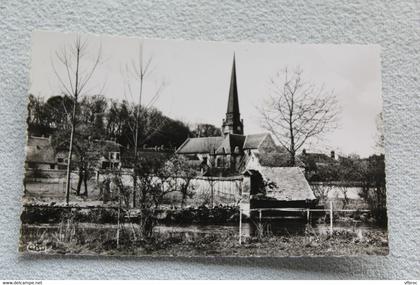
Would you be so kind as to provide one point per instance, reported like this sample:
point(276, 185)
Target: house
point(110, 154)
point(320, 166)
point(255, 156)
point(319, 159)
point(145, 154)
point(40, 154)
point(283, 187)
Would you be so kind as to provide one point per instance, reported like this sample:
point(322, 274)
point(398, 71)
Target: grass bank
point(71, 239)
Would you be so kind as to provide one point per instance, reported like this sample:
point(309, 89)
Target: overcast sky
point(197, 75)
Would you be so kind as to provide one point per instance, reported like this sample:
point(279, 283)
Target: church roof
point(233, 102)
point(200, 145)
point(221, 144)
point(288, 184)
point(253, 141)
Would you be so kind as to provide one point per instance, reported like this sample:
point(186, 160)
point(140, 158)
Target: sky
point(195, 76)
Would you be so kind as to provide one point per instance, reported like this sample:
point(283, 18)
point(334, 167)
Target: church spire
point(233, 102)
point(233, 123)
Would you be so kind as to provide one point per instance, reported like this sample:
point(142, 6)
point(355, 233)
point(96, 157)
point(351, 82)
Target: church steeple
point(233, 123)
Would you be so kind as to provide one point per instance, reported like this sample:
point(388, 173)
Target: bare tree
point(345, 199)
point(136, 72)
point(74, 70)
point(212, 169)
point(183, 174)
point(321, 191)
point(297, 111)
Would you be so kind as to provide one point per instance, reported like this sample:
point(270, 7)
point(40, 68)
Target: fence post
point(307, 215)
point(118, 219)
point(331, 218)
point(260, 215)
point(240, 226)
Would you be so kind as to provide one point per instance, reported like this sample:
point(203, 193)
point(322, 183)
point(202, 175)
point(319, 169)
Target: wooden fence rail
point(330, 211)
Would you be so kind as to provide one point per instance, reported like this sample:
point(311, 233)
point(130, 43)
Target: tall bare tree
point(297, 111)
point(136, 72)
point(74, 69)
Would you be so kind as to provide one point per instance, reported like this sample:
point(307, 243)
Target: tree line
point(107, 119)
point(367, 173)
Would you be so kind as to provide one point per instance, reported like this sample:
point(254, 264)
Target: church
point(233, 152)
point(261, 165)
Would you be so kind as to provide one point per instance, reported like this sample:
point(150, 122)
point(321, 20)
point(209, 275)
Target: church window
point(219, 162)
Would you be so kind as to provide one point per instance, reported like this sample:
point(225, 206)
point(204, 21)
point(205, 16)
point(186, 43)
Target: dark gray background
point(392, 24)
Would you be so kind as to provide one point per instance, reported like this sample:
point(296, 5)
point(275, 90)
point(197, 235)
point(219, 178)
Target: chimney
point(333, 154)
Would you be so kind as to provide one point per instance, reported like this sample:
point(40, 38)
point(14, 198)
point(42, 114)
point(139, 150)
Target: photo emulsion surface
point(181, 148)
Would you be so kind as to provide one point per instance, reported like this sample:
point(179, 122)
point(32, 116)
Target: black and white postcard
point(188, 148)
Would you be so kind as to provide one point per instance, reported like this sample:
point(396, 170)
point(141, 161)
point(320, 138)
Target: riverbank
point(74, 240)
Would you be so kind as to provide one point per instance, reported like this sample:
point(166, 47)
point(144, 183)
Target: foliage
point(368, 173)
point(112, 120)
point(101, 240)
point(156, 177)
point(85, 140)
point(46, 117)
point(206, 130)
point(375, 195)
point(203, 215)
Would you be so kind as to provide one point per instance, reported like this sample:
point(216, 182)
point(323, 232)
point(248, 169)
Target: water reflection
point(279, 228)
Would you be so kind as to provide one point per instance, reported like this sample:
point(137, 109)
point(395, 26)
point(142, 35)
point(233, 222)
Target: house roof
point(39, 149)
point(253, 141)
point(108, 145)
point(289, 183)
point(200, 145)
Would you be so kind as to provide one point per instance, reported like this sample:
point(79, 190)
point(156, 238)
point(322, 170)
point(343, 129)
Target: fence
point(330, 212)
point(220, 190)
